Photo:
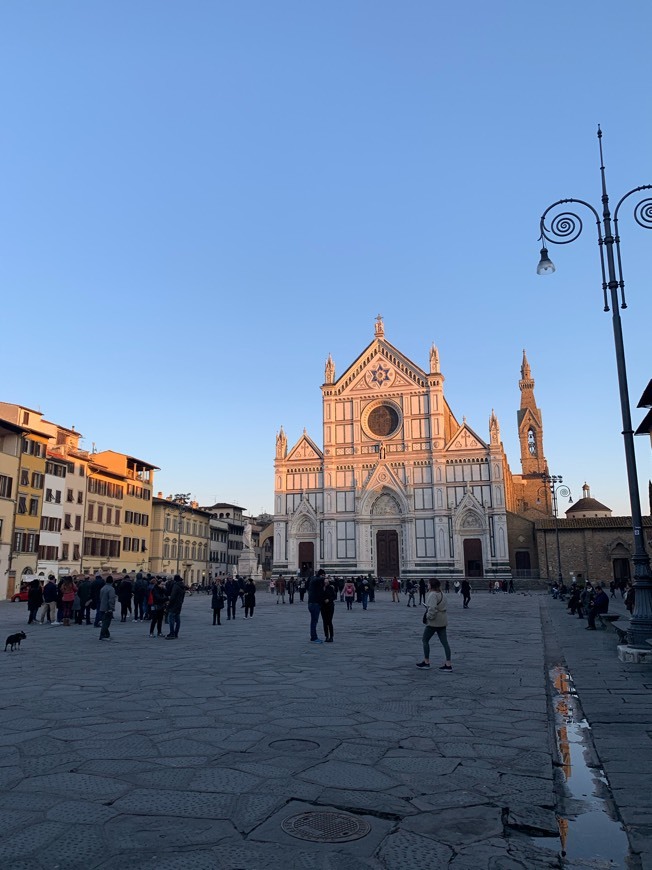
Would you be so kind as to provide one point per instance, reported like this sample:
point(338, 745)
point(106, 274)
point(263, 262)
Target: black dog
point(14, 640)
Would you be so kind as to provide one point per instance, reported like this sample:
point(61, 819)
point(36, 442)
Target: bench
point(609, 620)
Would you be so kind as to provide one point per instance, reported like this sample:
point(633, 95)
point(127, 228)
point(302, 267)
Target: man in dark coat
point(315, 596)
point(177, 594)
point(600, 604)
point(231, 591)
point(85, 592)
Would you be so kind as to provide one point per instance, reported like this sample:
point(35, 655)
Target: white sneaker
point(55, 623)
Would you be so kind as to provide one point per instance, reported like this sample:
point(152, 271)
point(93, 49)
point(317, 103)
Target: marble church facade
point(400, 485)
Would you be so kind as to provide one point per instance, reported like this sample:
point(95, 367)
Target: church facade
point(400, 486)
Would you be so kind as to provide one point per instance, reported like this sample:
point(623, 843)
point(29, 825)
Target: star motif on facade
point(380, 375)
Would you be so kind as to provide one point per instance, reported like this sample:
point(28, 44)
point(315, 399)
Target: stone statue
point(246, 537)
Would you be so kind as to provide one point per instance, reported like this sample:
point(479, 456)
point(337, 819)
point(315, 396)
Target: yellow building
point(138, 477)
point(180, 540)
point(29, 503)
point(11, 437)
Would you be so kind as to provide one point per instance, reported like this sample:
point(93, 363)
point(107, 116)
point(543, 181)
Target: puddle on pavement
point(589, 836)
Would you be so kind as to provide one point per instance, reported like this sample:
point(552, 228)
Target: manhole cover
point(326, 827)
point(294, 744)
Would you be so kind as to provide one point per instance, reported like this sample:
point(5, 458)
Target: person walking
point(365, 593)
point(349, 594)
point(291, 589)
point(466, 593)
point(217, 601)
point(328, 608)
point(315, 595)
point(34, 600)
point(250, 598)
point(156, 607)
point(436, 620)
point(422, 591)
point(302, 588)
point(396, 589)
point(106, 607)
point(411, 590)
point(280, 589)
point(175, 604)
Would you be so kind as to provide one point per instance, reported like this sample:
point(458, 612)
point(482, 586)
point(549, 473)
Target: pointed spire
point(526, 384)
point(329, 372)
point(494, 428)
point(281, 445)
point(379, 327)
point(434, 360)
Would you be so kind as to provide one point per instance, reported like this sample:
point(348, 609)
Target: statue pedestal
point(248, 564)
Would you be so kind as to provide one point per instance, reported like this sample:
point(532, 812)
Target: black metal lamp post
point(564, 227)
point(554, 482)
point(181, 499)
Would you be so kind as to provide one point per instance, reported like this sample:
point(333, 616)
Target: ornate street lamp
point(557, 487)
point(564, 227)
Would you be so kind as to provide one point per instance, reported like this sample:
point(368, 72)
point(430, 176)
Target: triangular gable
point(379, 366)
point(381, 476)
point(305, 450)
point(465, 439)
point(525, 415)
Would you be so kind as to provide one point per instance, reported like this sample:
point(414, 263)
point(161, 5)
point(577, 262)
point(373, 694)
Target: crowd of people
point(80, 600)
point(590, 599)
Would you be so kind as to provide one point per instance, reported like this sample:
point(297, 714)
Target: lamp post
point(554, 482)
point(565, 227)
point(181, 499)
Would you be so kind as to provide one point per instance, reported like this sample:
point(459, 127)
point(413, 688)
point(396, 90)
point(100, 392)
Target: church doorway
point(306, 558)
point(622, 573)
point(473, 557)
point(387, 562)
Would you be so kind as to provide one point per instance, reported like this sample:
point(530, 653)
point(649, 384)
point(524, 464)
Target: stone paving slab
point(190, 753)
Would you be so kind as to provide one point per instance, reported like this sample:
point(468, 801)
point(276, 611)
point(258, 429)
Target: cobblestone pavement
point(191, 753)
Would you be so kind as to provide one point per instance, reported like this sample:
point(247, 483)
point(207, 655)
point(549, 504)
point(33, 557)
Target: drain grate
point(325, 827)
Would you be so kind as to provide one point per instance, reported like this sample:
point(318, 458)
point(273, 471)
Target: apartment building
point(49, 550)
point(233, 516)
point(136, 517)
point(180, 539)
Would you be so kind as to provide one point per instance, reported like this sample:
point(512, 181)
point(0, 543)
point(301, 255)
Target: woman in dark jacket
point(157, 607)
point(249, 598)
point(217, 602)
point(34, 599)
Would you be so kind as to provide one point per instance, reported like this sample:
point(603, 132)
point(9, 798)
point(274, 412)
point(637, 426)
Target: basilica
point(401, 487)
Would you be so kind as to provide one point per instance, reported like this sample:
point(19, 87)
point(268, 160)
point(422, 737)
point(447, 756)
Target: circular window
point(382, 420)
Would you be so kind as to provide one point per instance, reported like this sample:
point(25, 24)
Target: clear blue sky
point(200, 200)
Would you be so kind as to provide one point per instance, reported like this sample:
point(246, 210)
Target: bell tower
point(530, 436)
